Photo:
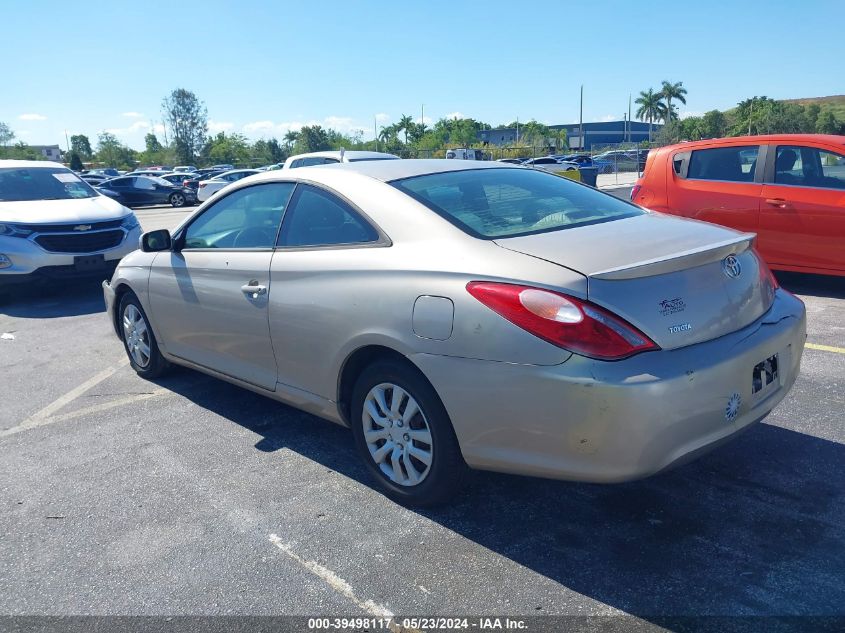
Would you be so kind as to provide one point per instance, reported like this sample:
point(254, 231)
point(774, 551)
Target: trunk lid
point(669, 277)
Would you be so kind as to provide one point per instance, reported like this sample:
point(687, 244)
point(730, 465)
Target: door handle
point(778, 202)
point(254, 289)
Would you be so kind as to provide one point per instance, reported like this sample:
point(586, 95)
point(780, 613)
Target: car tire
point(177, 200)
point(425, 434)
point(139, 341)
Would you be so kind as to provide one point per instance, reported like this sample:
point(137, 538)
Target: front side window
point(42, 183)
point(732, 164)
point(246, 218)
point(318, 218)
point(493, 203)
point(809, 167)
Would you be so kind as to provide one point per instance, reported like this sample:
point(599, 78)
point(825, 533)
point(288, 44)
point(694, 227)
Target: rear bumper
point(600, 421)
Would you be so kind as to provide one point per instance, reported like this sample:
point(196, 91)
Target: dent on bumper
point(600, 421)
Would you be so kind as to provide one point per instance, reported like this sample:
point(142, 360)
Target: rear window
point(733, 164)
point(494, 203)
point(42, 183)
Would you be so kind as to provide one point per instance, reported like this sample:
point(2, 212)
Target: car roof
point(389, 170)
point(830, 139)
point(335, 153)
point(12, 164)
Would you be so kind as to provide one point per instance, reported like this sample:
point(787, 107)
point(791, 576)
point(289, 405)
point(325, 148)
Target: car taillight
point(185, 183)
point(635, 191)
point(202, 185)
point(766, 273)
point(568, 322)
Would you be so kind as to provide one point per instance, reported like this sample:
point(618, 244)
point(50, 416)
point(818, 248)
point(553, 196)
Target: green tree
point(232, 148)
point(405, 123)
point(187, 117)
point(75, 162)
point(20, 151)
point(151, 143)
point(812, 113)
point(827, 123)
point(650, 108)
point(312, 138)
point(80, 145)
point(714, 124)
point(290, 138)
point(671, 91)
point(6, 134)
point(112, 153)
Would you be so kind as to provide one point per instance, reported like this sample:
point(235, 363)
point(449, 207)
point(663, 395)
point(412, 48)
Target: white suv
point(54, 225)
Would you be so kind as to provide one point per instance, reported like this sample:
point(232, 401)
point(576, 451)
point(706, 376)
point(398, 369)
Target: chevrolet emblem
point(82, 227)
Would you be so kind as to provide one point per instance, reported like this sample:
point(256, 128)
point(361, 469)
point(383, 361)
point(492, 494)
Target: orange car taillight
point(568, 322)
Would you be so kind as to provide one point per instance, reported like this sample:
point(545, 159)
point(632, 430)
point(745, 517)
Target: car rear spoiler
point(678, 261)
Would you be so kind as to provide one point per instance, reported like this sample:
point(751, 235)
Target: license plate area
point(84, 263)
point(765, 376)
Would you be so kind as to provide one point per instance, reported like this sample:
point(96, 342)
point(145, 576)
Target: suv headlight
point(130, 222)
point(13, 230)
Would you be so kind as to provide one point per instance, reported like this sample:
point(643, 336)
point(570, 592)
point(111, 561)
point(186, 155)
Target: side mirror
point(155, 241)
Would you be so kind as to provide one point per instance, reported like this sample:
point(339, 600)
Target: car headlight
point(130, 222)
point(13, 230)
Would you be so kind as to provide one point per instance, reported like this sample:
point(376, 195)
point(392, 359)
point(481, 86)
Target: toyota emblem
point(731, 267)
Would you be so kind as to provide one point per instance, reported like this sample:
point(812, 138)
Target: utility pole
point(581, 120)
point(517, 130)
point(375, 131)
point(629, 117)
point(422, 114)
point(67, 142)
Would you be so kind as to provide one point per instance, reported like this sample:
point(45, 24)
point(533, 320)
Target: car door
point(802, 214)
point(210, 295)
point(324, 245)
point(124, 187)
point(719, 184)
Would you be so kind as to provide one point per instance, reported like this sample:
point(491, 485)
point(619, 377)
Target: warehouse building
point(595, 134)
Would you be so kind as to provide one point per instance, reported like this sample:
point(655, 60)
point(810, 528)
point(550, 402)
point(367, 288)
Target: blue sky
point(265, 67)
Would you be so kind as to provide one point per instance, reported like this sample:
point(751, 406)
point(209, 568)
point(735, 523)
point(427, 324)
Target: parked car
point(183, 168)
point(551, 163)
point(511, 161)
point(200, 175)
point(137, 191)
point(331, 157)
point(207, 188)
point(787, 188)
point(621, 161)
point(466, 154)
point(105, 171)
point(487, 316)
point(54, 225)
point(94, 179)
point(223, 167)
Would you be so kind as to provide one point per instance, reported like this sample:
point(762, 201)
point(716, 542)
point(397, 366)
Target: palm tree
point(291, 137)
point(651, 108)
point(405, 124)
point(672, 91)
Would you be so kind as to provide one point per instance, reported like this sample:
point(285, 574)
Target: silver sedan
point(460, 314)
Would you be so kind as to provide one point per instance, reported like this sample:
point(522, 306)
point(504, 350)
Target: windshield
point(493, 203)
point(42, 183)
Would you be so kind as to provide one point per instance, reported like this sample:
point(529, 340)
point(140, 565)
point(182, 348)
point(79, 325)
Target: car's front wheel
point(404, 435)
point(138, 339)
point(177, 200)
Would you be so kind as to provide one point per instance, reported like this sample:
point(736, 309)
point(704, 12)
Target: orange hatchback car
point(787, 188)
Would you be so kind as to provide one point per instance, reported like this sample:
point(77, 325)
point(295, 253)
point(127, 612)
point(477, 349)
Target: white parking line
point(46, 415)
point(333, 580)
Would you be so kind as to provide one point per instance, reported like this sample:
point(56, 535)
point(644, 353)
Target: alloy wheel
point(397, 434)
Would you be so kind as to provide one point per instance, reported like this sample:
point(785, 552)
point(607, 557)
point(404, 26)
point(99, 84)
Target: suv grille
point(80, 243)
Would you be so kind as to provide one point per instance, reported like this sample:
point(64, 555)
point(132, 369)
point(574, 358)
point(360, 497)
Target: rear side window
point(809, 167)
point(318, 218)
point(731, 164)
point(494, 203)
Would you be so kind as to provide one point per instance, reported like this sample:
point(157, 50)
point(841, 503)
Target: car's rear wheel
point(177, 199)
point(404, 435)
point(138, 339)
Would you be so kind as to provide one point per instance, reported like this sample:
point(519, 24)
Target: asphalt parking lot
point(191, 496)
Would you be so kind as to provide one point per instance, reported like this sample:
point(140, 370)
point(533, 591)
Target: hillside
point(835, 104)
